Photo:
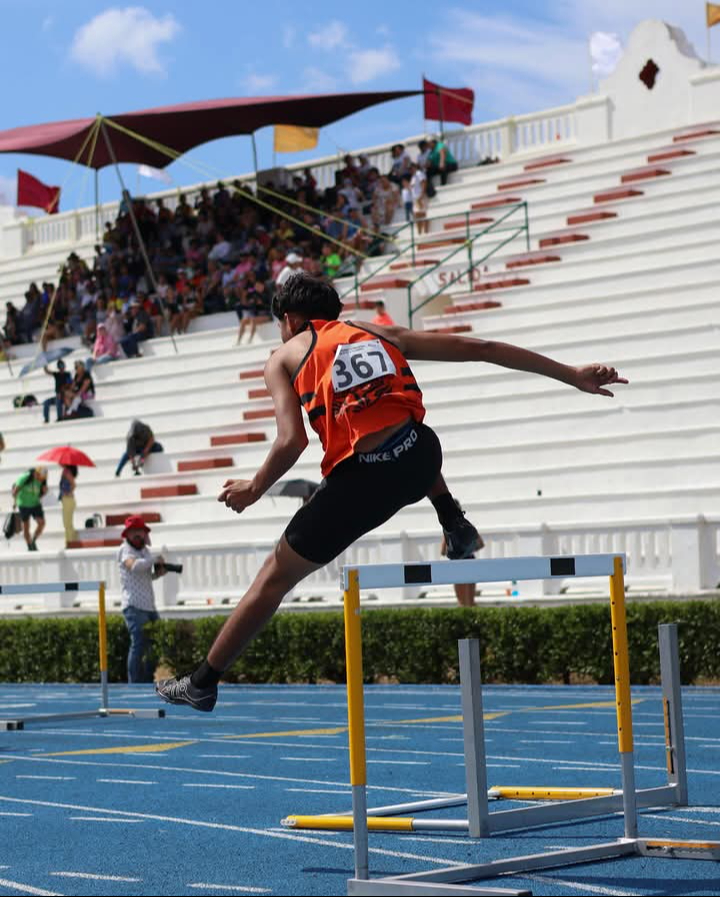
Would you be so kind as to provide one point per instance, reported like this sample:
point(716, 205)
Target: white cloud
point(129, 36)
point(256, 83)
point(366, 65)
point(316, 80)
point(8, 190)
point(330, 36)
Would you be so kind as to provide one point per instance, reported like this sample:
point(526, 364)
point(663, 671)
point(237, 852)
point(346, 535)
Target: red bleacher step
point(563, 238)
point(587, 217)
point(95, 543)
point(437, 244)
point(418, 263)
point(461, 222)
point(386, 283)
point(259, 393)
point(644, 175)
point(456, 328)
point(251, 375)
point(471, 306)
point(526, 182)
point(491, 202)
point(692, 135)
point(204, 464)
point(616, 193)
point(169, 491)
point(260, 414)
point(237, 438)
point(501, 284)
point(546, 163)
point(354, 305)
point(664, 155)
point(119, 519)
point(540, 259)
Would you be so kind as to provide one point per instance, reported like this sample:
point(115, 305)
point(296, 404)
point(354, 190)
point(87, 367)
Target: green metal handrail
point(358, 283)
point(467, 245)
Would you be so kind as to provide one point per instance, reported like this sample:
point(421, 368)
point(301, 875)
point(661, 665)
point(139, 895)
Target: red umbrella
point(66, 454)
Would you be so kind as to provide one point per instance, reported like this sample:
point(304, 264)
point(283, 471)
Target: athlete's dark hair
point(307, 296)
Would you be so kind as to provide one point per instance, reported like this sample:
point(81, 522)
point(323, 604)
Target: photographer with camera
point(140, 442)
point(137, 572)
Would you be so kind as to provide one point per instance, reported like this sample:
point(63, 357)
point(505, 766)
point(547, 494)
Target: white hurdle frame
point(445, 881)
point(104, 710)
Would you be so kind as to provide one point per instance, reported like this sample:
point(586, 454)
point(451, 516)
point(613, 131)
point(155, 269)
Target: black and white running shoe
point(182, 691)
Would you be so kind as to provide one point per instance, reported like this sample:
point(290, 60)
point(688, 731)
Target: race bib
point(358, 363)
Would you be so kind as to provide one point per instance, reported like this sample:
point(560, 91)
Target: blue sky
point(79, 58)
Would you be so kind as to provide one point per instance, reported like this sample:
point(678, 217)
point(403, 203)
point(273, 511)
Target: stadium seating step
point(388, 283)
point(532, 259)
point(693, 135)
point(471, 306)
point(251, 375)
point(456, 328)
point(119, 519)
point(260, 414)
point(588, 217)
point(95, 543)
point(237, 438)
point(490, 202)
point(204, 464)
point(260, 393)
point(169, 491)
point(367, 304)
point(461, 222)
point(617, 193)
point(664, 155)
point(644, 175)
point(562, 239)
point(501, 284)
point(437, 244)
point(526, 182)
point(546, 163)
point(418, 263)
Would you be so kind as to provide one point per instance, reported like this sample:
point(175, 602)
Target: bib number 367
point(358, 363)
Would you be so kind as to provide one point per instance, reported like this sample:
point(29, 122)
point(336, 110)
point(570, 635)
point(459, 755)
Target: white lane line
point(3, 813)
point(401, 762)
point(26, 889)
point(579, 886)
point(318, 791)
point(202, 886)
point(497, 765)
point(53, 778)
point(683, 819)
point(94, 876)
point(545, 741)
point(104, 819)
point(224, 756)
point(126, 781)
point(312, 759)
point(211, 785)
point(581, 769)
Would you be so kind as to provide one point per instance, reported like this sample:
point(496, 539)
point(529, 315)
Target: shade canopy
point(185, 126)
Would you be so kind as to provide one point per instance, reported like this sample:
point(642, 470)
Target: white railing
point(681, 556)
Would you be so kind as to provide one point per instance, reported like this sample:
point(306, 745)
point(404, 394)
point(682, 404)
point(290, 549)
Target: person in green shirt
point(28, 491)
point(440, 161)
point(331, 260)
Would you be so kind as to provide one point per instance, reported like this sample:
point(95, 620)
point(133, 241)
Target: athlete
point(358, 390)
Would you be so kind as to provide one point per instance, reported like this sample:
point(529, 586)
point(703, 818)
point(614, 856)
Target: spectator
point(12, 327)
point(381, 316)
point(293, 265)
point(220, 249)
point(28, 491)
point(385, 200)
point(105, 347)
point(137, 572)
point(423, 155)
point(67, 500)
point(407, 198)
point(400, 165)
point(331, 260)
point(418, 187)
point(140, 330)
point(62, 378)
point(353, 195)
point(82, 384)
point(440, 161)
point(140, 443)
point(74, 406)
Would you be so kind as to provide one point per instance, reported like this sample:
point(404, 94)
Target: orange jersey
point(353, 383)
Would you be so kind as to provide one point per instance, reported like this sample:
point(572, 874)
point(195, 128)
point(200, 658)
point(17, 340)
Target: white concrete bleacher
point(539, 467)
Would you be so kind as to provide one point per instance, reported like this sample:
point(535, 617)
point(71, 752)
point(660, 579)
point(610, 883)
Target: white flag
point(147, 171)
point(605, 52)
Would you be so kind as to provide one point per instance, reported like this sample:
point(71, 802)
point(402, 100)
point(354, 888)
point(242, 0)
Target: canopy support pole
point(136, 229)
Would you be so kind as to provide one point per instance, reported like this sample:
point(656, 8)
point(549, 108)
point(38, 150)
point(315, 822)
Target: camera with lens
point(168, 568)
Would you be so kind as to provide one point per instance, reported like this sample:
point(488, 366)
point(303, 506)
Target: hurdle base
point(387, 886)
point(17, 725)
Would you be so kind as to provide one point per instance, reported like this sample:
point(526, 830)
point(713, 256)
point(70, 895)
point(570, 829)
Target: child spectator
point(407, 198)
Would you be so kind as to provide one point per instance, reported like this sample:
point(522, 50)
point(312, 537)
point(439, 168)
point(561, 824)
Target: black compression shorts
point(364, 491)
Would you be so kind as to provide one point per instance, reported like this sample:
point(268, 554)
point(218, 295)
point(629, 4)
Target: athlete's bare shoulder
point(290, 354)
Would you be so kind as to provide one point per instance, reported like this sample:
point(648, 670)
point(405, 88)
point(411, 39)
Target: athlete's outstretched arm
point(447, 347)
point(290, 442)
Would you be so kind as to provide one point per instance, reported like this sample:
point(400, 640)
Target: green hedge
point(519, 644)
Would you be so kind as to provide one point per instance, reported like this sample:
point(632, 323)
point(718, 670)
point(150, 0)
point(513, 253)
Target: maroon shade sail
point(187, 125)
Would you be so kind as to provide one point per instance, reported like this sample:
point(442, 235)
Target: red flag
point(32, 192)
point(448, 103)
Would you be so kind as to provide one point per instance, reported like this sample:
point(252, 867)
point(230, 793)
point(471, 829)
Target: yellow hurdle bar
point(345, 823)
point(509, 793)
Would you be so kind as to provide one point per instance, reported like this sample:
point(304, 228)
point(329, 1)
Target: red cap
point(134, 521)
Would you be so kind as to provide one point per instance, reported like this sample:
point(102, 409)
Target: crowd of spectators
point(228, 250)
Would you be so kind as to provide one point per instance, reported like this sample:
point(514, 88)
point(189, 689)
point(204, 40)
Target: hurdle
point(480, 822)
point(104, 710)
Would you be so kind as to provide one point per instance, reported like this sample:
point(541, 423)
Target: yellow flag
point(712, 14)
point(291, 139)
